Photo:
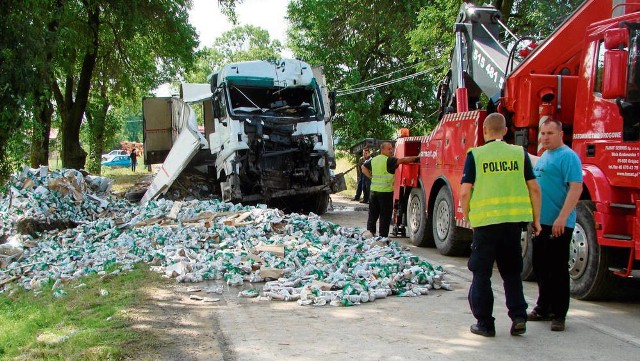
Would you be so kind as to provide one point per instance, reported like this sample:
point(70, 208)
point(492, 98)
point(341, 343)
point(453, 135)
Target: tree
point(125, 69)
point(153, 35)
point(241, 43)
point(20, 57)
point(228, 8)
point(363, 43)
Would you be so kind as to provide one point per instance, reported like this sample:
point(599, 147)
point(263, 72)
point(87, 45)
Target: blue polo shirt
point(554, 171)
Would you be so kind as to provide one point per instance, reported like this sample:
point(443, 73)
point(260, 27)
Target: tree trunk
point(72, 111)
point(96, 121)
point(43, 110)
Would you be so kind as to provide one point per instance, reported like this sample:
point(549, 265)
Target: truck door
point(156, 125)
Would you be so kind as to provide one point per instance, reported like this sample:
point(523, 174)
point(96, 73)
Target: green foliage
point(242, 43)
point(19, 60)
point(228, 8)
point(364, 43)
point(539, 18)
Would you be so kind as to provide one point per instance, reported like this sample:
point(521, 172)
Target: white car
point(109, 156)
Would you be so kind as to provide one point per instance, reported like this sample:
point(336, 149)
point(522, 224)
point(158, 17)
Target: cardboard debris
point(276, 250)
point(173, 214)
point(271, 273)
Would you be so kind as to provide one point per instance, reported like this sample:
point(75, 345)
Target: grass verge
point(82, 325)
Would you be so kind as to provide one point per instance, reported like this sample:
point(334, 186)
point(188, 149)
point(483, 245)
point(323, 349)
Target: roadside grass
point(124, 178)
point(82, 325)
point(351, 177)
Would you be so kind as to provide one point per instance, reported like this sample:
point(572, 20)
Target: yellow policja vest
point(500, 192)
point(381, 180)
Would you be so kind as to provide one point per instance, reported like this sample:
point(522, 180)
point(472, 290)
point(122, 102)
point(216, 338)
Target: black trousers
point(380, 207)
point(498, 243)
point(550, 264)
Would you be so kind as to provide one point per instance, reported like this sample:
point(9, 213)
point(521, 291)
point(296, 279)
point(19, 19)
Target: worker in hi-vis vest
point(499, 197)
point(381, 169)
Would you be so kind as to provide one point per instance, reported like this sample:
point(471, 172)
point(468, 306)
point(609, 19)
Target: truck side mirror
point(614, 75)
point(332, 103)
point(214, 82)
point(216, 106)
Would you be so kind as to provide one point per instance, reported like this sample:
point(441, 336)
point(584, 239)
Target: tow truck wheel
point(527, 255)
point(418, 225)
point(589, 262)
point(449, 239)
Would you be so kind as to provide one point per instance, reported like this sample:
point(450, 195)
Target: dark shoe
point(363, 201)
point(557, 324)
point(518, 327)
point(535, 316)
point(482, 331)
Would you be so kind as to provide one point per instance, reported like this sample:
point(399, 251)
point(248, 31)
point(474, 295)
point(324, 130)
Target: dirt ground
point(179, 328)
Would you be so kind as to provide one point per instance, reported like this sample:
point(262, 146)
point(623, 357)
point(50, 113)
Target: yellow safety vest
point(381, 180)
point(500, 192)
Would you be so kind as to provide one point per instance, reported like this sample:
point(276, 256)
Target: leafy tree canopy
point(363, 43)
point(242, 43)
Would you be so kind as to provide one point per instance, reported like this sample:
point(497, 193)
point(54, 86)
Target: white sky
point(205, 16)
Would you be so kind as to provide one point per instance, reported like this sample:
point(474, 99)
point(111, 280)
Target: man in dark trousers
point(499, 196)
point(381, 169)
point(363, 181)
point(134, 159)
point(559, 174)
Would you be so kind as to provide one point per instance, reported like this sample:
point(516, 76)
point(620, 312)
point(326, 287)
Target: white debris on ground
point(301, 258)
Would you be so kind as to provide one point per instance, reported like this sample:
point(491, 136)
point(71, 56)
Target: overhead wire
point(385, 83)
point(386, 75)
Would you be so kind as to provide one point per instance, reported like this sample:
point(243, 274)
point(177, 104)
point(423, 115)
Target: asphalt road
point(432, 327)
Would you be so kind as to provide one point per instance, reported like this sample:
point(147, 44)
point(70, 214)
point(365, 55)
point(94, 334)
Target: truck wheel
point(589, 262)
point(418, 225)
point(449, 239)
point(321, 203)
point(527, 255)
point(134, 195)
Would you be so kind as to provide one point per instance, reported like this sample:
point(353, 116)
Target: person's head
point(494, 127)
point(551, 134)
point(365, 153)
point(386, 148)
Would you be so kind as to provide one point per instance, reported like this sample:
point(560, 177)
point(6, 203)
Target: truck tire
point(527, 255)
point(419, 225)
point(134, 195)
point(449, 239)
point(589, 262)
point(322, 203)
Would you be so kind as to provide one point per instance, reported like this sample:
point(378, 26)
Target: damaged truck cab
point(272, 134)
point(268, 135)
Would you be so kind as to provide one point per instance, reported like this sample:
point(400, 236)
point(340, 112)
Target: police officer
point(499, 194)
point(381, 169)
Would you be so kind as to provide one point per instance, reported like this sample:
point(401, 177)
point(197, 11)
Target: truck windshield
point(276, 101)
point(630, 108)
point(633, 85)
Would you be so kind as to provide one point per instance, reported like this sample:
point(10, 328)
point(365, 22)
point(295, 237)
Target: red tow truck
point(585, 74)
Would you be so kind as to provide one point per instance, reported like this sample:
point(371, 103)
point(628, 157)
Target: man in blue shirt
point(559, 174)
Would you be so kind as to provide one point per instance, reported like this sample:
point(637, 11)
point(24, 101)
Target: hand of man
point(558, 227)
point(536, 228)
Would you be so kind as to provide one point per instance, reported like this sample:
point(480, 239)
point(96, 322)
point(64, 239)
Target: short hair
point(495, 123)
point(385, 143)
point(556, 122)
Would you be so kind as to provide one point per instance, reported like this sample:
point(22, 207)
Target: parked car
point(113, 153)
point(118, 161)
